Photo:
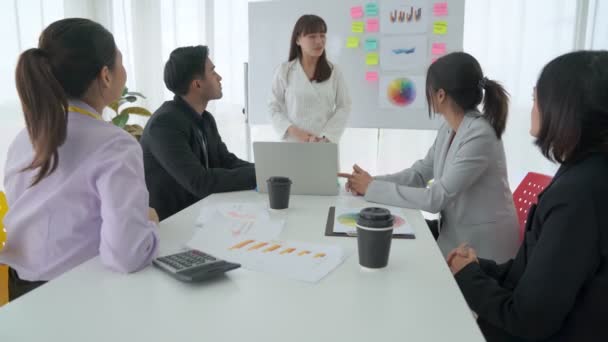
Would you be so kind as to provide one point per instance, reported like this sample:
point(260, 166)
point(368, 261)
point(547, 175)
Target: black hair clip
point(482, 83)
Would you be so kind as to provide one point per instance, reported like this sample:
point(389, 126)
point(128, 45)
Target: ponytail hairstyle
point(460, 76)
point(308, 24)
point(70, 55)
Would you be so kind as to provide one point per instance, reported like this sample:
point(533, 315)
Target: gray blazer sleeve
point(416, 176)
point(470, 160)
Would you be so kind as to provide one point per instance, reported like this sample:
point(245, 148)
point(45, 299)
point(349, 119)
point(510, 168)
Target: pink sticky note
point(356, 12)
point(440, 9)
point(371, 76)
point(372, 25)
point(438, 49)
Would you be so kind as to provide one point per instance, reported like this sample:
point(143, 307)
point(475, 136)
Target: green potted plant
point(123, 112)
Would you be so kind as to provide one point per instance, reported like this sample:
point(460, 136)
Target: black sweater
point(556, 288)
point(175, 159)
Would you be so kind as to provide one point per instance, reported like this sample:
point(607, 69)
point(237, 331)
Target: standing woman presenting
point(310, 100)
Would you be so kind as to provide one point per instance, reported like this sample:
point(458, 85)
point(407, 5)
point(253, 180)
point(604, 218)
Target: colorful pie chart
point(349, 220)
point(401, 92)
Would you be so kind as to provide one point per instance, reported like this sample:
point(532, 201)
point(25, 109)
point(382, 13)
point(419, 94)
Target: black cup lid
point(374, 217)
point(278, 180)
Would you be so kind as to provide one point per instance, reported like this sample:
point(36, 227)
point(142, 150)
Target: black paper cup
point(278, 192)
point(374, 236)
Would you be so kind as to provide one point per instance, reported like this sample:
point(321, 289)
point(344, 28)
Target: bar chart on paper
point(282, 250)
point(294, 260)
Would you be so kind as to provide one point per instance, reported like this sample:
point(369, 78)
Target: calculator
point(193, 265)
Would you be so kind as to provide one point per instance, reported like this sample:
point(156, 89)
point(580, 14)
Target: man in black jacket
point(185, 159)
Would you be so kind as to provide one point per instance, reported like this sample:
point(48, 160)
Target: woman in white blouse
point(310, 100)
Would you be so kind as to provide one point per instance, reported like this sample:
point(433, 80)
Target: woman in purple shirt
point(74, 183)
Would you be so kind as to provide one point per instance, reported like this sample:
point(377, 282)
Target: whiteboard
point(373, 105)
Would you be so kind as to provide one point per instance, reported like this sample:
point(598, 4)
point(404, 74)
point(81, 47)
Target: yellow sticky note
point(440, 27)
point(358, 26)
point(352, 42)
point(371, 58)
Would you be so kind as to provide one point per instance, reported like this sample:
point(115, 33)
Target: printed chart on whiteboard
point(400, 39)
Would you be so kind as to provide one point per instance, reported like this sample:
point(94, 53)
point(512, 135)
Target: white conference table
point(414, 299)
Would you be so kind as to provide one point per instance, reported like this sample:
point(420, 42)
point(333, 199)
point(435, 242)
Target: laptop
point(312, 167)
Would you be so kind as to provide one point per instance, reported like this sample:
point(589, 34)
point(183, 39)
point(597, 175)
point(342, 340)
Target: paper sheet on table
point(345, 221)
point(223, 229)
point(241, 211)
point(294, 260)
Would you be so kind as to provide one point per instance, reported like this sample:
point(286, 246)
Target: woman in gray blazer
point(467, 163)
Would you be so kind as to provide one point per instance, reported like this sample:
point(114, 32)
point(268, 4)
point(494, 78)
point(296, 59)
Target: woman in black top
point(556, 288)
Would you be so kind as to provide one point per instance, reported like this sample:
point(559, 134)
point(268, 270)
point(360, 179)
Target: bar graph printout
point(295, 260)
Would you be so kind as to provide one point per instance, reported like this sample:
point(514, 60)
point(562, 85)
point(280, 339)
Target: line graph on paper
point(241, 228)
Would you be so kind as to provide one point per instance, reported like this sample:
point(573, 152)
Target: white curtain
point(138, 25)
point(512, 40)
point(20, 23)
point(597, 29)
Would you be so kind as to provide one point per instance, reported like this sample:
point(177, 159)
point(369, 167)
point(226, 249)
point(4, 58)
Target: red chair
point(526, 194)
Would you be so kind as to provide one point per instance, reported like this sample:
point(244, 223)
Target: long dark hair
point(460, 76)
point(573, 106)
point(70, 55)
point(307, 24)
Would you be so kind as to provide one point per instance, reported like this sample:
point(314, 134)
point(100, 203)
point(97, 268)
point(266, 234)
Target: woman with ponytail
point(74, 183)
point(470, 188)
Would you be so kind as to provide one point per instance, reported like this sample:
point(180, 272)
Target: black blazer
point(179, 169)
point(556, 288)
